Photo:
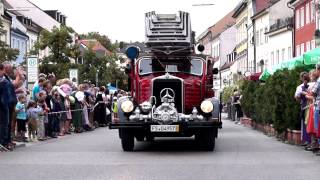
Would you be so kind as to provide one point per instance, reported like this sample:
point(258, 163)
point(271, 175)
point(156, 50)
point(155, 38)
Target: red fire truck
point(171, 86)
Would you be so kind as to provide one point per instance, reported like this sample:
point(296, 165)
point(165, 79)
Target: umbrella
point(312, 57)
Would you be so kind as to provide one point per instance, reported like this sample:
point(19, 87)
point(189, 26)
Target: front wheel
point(127, 140)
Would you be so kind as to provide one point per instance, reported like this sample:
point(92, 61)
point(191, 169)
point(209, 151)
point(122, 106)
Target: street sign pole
point(32, 70)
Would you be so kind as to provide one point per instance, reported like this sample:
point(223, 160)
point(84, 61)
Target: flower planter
point(272, 130)
point(296, 137)
point(260, 127)
point(289, 136)
point(247, 122)
point(253, 124)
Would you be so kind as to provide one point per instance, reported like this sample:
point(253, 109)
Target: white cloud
point(123, 20)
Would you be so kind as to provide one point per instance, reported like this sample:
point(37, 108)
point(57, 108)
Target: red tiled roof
point(95, 45)
point(261, 5)
point(223, 24)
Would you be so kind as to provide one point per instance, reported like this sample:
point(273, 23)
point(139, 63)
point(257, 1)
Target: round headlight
point(127, 106)
point(206, 106)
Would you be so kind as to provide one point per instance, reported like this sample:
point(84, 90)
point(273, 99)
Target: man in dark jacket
point(12, 98)
point(4, 111)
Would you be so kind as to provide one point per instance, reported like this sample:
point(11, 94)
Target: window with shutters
point(302, 48)
point(302, 17)
point(307, 13)
point(297, 19)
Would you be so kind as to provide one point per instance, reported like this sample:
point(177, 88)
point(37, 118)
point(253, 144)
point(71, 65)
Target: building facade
point(19, 38)
point(305, 25)
point(261, 41)
point(6, 23)
point(280, 34)
point(241, 16)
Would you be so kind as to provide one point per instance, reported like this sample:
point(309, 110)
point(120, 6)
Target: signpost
point(32, 69)
point(73, 75)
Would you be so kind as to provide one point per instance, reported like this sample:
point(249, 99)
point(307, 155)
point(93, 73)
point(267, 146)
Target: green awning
point(274, 69)
point(312, 57)
point(265, 75)
point(292, 63)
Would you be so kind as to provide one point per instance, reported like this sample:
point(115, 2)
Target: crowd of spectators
point(308, 94)
point(53, 108)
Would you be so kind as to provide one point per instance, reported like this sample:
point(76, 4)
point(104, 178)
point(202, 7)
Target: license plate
point(164, 128)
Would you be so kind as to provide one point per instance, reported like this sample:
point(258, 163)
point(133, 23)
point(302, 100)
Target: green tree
point(59, 42)
point(6, 53)
point(106, 67)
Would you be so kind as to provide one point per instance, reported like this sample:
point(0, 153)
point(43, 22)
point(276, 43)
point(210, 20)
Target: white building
point(261, 20)
point(226, 70)
point(6, 22)
point(241, 16)
point(280, 34)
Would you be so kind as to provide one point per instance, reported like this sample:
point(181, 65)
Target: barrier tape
point(92, 109)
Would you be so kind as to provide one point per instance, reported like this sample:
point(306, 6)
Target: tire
point(206, 139)
point(127, 140)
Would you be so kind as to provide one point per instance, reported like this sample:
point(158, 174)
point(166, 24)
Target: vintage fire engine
point(171, 87)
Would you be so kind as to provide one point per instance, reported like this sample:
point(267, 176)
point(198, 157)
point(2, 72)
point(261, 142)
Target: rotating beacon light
point(132, 52)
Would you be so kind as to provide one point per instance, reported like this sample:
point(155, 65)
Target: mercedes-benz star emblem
point(169, 93)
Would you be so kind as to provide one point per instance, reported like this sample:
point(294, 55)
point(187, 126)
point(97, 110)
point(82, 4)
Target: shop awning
point(265, 75)
point(312, 57)
point(292, 63)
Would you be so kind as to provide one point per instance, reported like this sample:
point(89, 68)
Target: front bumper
point(183, 125)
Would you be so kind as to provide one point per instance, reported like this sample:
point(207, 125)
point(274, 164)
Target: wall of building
point(250, 37)
point(262, 40)
point(241, 39)
point(280, 10)
point(6, 26)
point(228, 43)
point(305, 27)
point(19, 42)
point(33, 37)
point(282, 43)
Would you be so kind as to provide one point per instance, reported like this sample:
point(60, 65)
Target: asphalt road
point(241, 154)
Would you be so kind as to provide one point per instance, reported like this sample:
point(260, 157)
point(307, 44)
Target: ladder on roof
point(169, 33)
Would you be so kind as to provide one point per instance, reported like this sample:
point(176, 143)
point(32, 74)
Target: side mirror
point(128, 69)
point(215, 71)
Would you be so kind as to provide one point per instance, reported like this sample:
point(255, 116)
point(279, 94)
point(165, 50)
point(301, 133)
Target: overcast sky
point(123, 20)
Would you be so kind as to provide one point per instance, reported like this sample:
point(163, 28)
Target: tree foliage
point(273, 102)
point(59, 43)
point(6, 53)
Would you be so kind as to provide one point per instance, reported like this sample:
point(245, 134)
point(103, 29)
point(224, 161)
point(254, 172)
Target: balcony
point(280, 24)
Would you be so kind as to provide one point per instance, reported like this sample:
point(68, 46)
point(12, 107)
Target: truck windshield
point(149, 65)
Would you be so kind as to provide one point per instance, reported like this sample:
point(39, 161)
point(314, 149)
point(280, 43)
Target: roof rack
point(169, 33)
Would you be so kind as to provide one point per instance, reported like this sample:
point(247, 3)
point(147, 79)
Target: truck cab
point(171, 87)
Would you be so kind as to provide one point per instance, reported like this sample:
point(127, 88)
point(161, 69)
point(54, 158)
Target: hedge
point(273, 102)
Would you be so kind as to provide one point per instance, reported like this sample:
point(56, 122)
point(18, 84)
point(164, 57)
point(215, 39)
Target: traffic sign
point(32, 69)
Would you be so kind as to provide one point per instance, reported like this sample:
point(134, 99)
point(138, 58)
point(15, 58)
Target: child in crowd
point(40, 122)
point(33, 114)
point(56, 116)
point(21, 116)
